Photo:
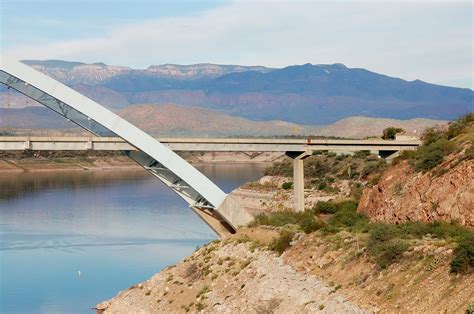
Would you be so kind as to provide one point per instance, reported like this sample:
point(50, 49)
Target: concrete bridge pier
point(298, 178)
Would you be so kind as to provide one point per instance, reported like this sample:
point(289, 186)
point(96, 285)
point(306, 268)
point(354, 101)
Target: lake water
point(70, 240)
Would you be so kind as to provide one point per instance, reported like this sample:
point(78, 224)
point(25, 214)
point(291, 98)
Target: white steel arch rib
point(213, 205)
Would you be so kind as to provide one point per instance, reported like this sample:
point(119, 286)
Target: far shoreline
point(13, 167)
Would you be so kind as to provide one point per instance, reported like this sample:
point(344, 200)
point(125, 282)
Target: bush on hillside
point(283, 168)
point(322, 207)
point(437, 144)
point(361, 154)
point(372, 167)
point(429, 156)
point(460, 126)
point(387, 253)
point(356, 191)
point(383, 244)
point(469, 153)
point(283, 241)
point(463, 256)
point(306, 220)
point(310, 224)
point(346, 216)
point(391, 132)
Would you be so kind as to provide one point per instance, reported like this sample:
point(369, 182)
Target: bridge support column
point(298, 178)
point(27, 144)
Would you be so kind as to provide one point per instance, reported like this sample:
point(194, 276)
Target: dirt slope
point(230, 278)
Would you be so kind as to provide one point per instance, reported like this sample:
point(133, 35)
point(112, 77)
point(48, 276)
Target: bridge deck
point(206, 144)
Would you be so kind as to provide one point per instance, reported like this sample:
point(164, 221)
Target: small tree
point(389, 133)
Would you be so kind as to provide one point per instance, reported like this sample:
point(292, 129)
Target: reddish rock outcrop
point(445, 193)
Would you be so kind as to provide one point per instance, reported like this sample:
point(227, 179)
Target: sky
point(431, 41)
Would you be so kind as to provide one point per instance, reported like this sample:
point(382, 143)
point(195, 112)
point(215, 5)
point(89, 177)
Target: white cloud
point(421, 40)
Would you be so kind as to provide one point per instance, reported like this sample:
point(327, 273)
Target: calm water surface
point(116, 228)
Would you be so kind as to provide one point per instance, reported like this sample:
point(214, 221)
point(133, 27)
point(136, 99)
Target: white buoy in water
point(79, 273)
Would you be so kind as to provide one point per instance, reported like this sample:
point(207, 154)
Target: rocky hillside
point(230, 278)
point(193, 121)
point(359, 127)
point(315, 273)
point(404, 195)
point(434, 183)
point(174, 120)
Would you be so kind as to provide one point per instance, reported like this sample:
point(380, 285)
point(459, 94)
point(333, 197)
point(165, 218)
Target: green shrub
point(381, 232)
point(437, 144)
point(281, 243)
point(373, 166)
point(348, 205)
point(391, 132)
point(322, 185)
point(460, 125)
point(446, 230)
point(428, 157)
point(356, 191)
point(203, 291)
point(347, 216)
point(387, 253)
point(384, 246)
point(324, 207)
point(308, 224)
point(325, 186)
point(361, 154)
point(304, 220)
point(416, 229)
point(277, 219)
point(469, 153)
point(470, 308)
point(407, 154)
point(463, 256)
point(373, 181)
point(287, 185)
point(432, 135)
point(283, 168)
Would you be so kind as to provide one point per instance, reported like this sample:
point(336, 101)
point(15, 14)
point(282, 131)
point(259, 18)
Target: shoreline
point(19, 165)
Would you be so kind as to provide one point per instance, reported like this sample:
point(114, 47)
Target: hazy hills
point(173, 120)
point(302, 94)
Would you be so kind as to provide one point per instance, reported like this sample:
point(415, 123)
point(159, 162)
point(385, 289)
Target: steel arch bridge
point(222, 213)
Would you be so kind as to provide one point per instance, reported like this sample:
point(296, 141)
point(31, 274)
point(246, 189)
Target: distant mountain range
point(302, 94)
point(173, 120)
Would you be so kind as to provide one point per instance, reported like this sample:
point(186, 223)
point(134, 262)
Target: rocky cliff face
point(445, 193)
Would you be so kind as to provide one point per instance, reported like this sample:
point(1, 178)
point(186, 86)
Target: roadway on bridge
point(207, 144)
